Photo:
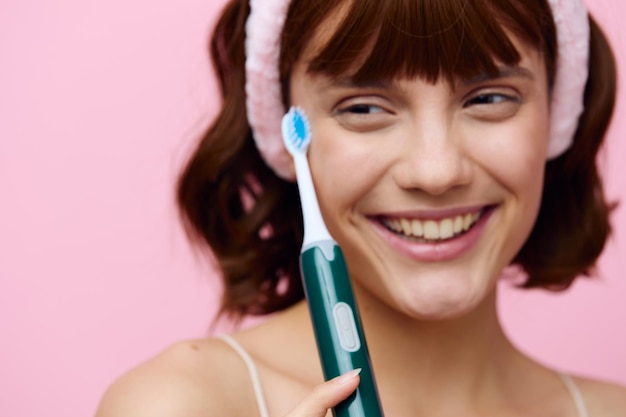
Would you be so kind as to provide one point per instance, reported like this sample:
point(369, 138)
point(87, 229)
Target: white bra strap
point(577, 396)
point(254, 375)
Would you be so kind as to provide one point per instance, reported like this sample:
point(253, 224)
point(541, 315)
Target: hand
point(327, 395)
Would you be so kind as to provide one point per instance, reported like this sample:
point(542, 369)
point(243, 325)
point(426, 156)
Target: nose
point(433, 159)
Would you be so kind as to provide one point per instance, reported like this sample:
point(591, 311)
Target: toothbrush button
point(346, 327)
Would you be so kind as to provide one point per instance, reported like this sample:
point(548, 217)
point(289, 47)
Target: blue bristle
point(300, 127)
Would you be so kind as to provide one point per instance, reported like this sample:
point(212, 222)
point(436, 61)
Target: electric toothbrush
point(340, 341)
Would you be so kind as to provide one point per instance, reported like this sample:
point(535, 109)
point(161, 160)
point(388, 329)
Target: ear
point(279, 160)
point(291, 170)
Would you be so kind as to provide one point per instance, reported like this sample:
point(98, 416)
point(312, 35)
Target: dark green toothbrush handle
point(338, 331)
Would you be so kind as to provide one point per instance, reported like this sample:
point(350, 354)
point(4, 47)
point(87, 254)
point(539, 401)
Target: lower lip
point(438, 251)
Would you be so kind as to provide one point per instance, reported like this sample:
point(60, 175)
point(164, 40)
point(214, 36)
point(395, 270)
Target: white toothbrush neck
point(314, 227)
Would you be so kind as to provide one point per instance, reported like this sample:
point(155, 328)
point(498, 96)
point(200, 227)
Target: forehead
point(447, 38)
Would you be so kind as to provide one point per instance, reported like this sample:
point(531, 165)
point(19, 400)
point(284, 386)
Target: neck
point(464, 358)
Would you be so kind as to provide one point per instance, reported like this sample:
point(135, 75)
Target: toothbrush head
point(296, 131)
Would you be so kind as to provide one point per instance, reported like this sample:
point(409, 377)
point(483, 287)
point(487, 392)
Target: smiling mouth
point(431, 231)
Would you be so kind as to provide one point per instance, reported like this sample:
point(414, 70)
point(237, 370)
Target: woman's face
point(430, 189)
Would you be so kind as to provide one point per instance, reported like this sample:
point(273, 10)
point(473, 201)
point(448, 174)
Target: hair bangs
point(454, 39)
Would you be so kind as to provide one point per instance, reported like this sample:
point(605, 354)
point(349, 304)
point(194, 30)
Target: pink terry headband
point(264, 101)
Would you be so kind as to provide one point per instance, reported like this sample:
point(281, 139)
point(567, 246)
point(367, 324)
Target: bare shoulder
point(603, 399)
point(190, 378)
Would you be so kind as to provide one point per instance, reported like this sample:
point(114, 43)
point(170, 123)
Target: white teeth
point(418, 230)
point(458, 224)
point(445, 229)
point(406, 226)
point(433, 229)
point(467, 221)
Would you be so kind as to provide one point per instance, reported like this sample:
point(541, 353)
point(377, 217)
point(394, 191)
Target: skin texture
point(427, 150)
point(389, 149)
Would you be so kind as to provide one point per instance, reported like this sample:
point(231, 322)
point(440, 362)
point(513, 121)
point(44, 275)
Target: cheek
point(344, 167)
point(515, 156)
point(517, 165)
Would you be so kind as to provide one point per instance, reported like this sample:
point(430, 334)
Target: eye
point(364, 114)
point(489, 99)
point(493, 105)
point(361, 109)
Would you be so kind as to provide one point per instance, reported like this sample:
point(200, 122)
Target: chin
point(436, 311)
point(441, 302)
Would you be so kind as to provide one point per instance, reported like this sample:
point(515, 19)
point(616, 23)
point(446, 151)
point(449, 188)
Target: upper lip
point(434, 214)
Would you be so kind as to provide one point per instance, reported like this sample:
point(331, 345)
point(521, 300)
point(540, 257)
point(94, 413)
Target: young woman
point(452, 139)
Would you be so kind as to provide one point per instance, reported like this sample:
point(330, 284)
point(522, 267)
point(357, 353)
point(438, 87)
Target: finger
point(327, 395)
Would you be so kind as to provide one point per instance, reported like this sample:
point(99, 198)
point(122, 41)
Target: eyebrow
point(502, 72)
point(374, 83)
point(348, 82)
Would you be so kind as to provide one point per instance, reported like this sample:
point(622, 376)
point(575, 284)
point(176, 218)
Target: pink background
point(99, 102)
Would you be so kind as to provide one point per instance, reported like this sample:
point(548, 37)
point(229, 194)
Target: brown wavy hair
point(417, 38)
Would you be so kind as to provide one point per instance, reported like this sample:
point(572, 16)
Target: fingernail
point(347, 377)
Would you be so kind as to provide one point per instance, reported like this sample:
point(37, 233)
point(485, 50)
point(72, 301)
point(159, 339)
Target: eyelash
point(489, 104)
point(480, 99)
point(360, 109)
point(363, 114)
point(486, 99)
